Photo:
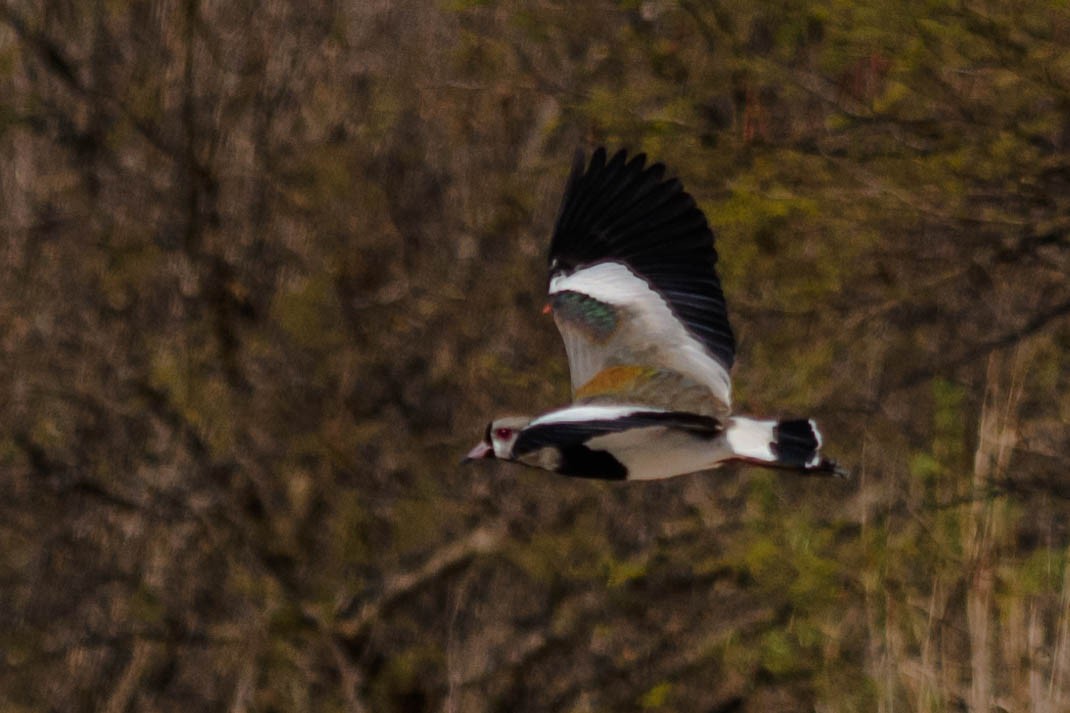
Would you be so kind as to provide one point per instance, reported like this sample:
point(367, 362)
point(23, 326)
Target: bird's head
point(498, 439)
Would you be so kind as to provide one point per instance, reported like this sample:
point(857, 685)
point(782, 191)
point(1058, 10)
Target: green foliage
point(781, 654)
point(619, 574)
point(309, 314)
point(657, 697)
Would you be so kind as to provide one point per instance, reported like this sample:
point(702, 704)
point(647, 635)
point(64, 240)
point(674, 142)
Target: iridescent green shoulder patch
point(596, 318)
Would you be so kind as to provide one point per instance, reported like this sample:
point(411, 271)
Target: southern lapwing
point(636, 297)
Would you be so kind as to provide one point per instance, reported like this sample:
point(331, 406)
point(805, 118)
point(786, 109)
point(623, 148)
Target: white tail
point(753, 440)
point(794, 444)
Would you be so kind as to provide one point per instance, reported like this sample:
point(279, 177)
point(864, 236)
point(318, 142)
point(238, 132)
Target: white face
point(503, 435)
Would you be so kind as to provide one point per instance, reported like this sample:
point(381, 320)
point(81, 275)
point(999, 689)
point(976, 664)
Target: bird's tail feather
point(793, 444)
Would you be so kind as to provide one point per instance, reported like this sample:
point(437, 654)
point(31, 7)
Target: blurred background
point(268, 269)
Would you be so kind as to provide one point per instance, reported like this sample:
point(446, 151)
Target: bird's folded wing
point(579, 424)
point(634, 289)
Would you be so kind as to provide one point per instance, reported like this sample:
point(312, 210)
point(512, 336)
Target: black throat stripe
point(579, 461)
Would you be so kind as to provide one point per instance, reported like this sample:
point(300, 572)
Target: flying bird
point(634, 292)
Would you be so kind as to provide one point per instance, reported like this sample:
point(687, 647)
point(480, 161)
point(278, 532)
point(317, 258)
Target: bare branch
point(479, 542)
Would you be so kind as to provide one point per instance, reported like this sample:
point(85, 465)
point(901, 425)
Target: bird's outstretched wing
point(634, 290)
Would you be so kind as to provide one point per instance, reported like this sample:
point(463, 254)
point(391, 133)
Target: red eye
point(503, 434)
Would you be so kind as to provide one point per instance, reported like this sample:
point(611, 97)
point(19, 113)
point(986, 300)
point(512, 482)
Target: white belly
point(652, 453)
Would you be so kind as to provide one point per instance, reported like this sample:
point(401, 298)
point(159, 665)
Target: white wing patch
point(650, 331)
point(588, 413)
point(610, 282)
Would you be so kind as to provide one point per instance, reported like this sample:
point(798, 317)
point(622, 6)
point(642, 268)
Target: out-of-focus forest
point(268, 268)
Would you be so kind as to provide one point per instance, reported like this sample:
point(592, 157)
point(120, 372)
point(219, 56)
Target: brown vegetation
point(268, 268)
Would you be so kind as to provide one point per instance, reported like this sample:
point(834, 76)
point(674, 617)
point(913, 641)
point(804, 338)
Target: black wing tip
point(602, 160)
point(606, 188)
